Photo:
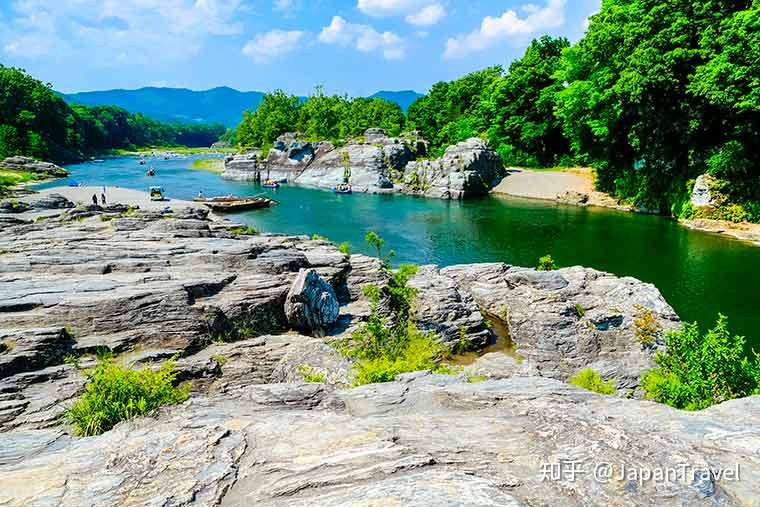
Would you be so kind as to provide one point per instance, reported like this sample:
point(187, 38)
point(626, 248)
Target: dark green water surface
point(700, 274)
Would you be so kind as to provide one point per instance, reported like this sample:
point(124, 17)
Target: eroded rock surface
point(574, 318)
point(151, 285)
point(34, 166)
point(376, 163)
point(467, 169)
point(423, 440)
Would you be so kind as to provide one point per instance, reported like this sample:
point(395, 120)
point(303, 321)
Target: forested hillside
point(319, 117)
point(655, 94)
point(35, 121)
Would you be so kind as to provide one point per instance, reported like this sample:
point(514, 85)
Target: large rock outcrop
point(423, 440)
point(467, 169)
point(574, 318)
point(377, 163)
point(27, 164)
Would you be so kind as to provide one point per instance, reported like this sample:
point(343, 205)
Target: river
point(700, 274)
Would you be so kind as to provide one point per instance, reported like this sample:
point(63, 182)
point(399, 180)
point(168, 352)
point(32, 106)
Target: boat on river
point(271, 184)
point(232, 203)
point(343, 188)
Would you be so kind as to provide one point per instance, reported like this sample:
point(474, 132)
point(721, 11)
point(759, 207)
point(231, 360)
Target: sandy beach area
point(114, 195)
point(554, 185)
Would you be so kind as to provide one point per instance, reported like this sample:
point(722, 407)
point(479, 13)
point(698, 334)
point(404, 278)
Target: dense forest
point(35, 121)
point(655, 94)
point(319, 117)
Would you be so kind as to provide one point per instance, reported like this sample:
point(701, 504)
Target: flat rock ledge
point(150, 285)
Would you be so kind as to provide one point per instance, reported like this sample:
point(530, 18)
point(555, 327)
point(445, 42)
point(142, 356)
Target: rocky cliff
point(149, 285)
point(377, 163)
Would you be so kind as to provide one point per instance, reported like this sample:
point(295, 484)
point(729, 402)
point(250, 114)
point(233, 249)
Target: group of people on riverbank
point(102, 198)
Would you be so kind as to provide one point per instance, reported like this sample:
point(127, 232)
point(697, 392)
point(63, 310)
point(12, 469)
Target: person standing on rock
point(95, 199)
point(103, 198)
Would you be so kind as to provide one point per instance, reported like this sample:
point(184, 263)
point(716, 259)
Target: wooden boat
point(220, 198)
point(238, 204)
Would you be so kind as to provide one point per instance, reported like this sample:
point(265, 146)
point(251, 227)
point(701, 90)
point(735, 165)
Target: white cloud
point(282, 5)
point(267, 46)
point(111, 32)
point(363, 37)
point(383, 8)
point(509, 25)
point(428, 16)
point(416, 12)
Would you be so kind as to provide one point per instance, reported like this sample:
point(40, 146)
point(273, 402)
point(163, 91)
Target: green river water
point(700, 274)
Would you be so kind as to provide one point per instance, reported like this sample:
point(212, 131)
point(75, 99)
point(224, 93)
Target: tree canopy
point(35, 121)
point(653, 95)
point(319, 117)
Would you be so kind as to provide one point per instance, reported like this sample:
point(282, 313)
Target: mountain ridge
point(221, 104)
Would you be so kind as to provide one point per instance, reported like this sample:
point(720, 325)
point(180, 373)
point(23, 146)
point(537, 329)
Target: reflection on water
point(700, 274)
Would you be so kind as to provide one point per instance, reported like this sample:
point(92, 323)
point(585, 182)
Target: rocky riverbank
point(377, 163)
point(150, 284)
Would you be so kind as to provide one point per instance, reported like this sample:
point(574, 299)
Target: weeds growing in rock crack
point(115, 393)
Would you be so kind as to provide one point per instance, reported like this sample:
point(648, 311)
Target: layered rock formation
point(378, 163)
point(27, 164)
point(149, 285)
point(467, 169)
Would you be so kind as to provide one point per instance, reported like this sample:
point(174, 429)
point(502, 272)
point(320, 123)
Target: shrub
point(697, 371)
point(219, 359)
point(389, 343)
point(345, 248)
point(311, 375)
point(647, 329)
point(244, 230)
point(317, 237)
point(116, 393)
point(590, 380)
point(546, 263)
point(415, 351)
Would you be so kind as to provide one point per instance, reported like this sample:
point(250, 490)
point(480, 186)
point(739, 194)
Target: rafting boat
point(270, 184)
point(227, 205)
point(343, 188)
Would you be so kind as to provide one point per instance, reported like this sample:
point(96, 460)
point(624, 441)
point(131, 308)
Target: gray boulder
point(52, 201)
point(31, 165)
point(467, 169)
point(574, 318)
point(311, 304)
point(701, 194)
point(243, 167)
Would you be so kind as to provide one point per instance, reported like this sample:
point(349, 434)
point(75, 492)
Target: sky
point(349, 46)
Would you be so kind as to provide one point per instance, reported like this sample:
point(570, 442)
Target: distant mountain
point(218, 105)
point(403, 98)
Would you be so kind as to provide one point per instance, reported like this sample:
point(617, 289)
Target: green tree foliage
point(656, 93)
point(389, 343)
point(320, 117)
point(34, 121)
point(591, 380)
point(520, 108)
point(646, 100)
point(116, 393)
point(697, 370)
point(453, 112)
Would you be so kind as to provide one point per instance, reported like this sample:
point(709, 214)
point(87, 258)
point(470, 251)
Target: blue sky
point(349, 46)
